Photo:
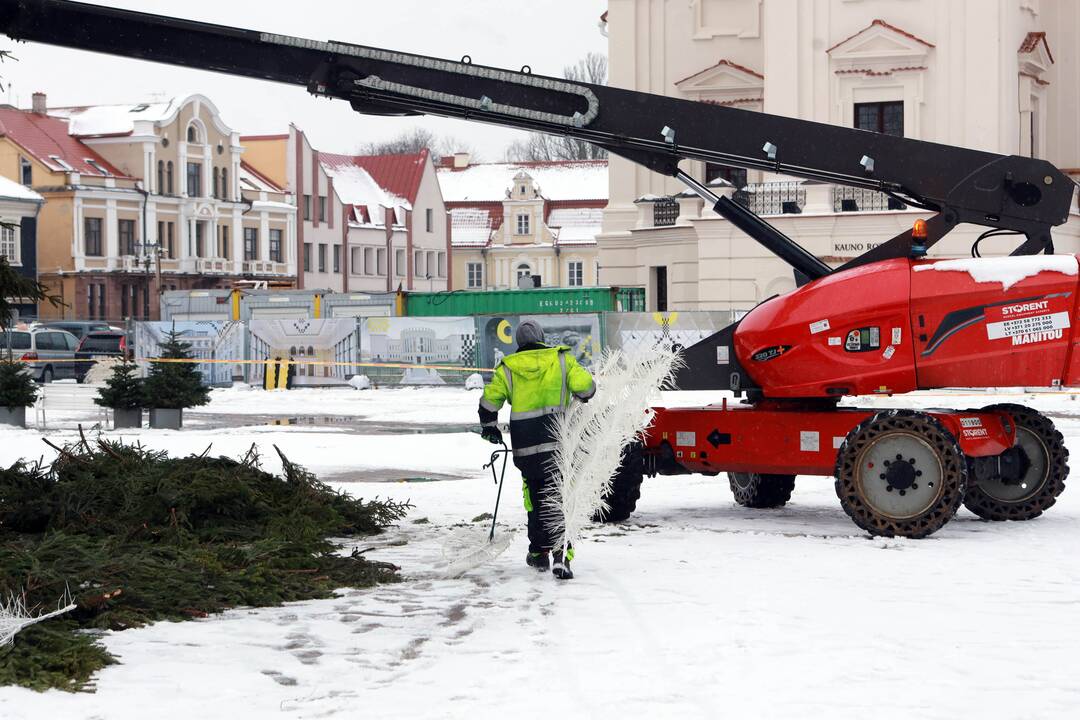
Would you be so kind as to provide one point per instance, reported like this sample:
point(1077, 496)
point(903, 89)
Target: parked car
point(100, 344)
point(49, 352)
point(78, 328)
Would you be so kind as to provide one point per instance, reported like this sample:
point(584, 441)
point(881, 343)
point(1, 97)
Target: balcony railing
point(849, 199)
point(772, 198)
point(665, 212)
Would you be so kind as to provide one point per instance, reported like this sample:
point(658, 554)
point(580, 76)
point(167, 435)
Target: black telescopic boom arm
point(1023, 194)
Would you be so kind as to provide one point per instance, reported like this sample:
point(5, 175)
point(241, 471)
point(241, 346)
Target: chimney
point(40, 104)
point(461, 160)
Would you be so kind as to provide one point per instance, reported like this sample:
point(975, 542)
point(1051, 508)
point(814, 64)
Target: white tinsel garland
point(591, 436)
point(14, 617)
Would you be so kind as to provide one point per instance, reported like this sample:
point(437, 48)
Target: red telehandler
point(890, 321)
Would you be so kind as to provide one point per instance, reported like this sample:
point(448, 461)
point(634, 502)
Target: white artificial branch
point(591, 436)
point(14, 617)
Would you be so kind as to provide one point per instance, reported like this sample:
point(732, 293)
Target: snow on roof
point(97, 120)
point(488, 182)
point(576, 226)
point(1006, 270)
point(9, 189)
point(470, 227)
point(48, 140)
point(252, 179)
point(355, 186)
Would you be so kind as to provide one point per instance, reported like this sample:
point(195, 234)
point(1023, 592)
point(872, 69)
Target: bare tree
point(540, 147)
point(413, 141)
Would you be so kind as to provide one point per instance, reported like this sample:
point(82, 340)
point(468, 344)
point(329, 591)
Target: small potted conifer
point(172, 386)
point(123, 394)
point(17, 392)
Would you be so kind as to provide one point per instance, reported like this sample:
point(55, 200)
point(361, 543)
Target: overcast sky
point(545, 34)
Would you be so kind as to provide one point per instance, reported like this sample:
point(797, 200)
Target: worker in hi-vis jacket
point(539, 382)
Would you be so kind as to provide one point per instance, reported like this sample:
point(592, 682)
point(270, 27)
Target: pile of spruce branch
point(136, 537)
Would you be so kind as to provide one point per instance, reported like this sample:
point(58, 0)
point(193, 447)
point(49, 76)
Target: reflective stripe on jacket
point(538, 384)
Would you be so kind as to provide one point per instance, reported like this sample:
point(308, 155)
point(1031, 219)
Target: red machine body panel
point(972, 330)
point(798, 441)
point(800, 345)
point(900, 325)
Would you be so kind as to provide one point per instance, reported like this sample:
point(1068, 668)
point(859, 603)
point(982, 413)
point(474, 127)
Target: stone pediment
point(1034, 54)
point(880, 46)
point(726, 82)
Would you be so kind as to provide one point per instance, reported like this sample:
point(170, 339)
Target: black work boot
point(560, 568)
point(539, 560)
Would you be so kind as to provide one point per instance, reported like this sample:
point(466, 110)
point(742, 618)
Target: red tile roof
point(46, 137)
point(251, 169)
point(1032, 40)
point(882, 23)
point(398, 174)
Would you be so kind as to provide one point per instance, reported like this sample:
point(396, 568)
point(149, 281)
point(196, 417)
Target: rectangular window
point(322, 208)
point(26, 172)
point(442, 264)
point(369, 261)
point(126, 229)
point(307, 208)
point(575, 273)
point(101, 302)
point(881, 117)
point(170, 247)
point(380, 261)
point(429, 218)
point(224, 242)
point(418, 263)
point(735, 176)
point(337, 258)
point(356, 260)
point(275, 246)
point(90, 306)
point(9, 244)
point(307, 257)
point(475, 272)
point(251, 244)
point(399, 263)
point(124, 302)
point(194, 179)
point(322, 257)
point(522, 224)
point(92, 237)
point(146, 301)
point(431, 265)
point(200, 239)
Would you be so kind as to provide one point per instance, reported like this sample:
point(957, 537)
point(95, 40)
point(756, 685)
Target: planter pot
point(127, 418)
point(13, 416)
point(166, 418)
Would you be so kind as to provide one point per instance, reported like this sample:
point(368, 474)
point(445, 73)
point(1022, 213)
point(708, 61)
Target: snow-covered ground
point(694, 608)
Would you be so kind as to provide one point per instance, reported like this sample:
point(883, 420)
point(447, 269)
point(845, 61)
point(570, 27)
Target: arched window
point(302, 352)
point(217, 181)
point(224, 184)
point(169, 178)
point(523, 270)
point(311, 351)
point(193, 134)
point(292, 351)
point(160, 177)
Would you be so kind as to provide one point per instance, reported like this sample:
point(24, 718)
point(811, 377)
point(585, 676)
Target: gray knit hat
point(529, 331)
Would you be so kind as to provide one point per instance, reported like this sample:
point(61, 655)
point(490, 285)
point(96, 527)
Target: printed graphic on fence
point(209, 340)
point(441, 341)
point(633, 331)
point(581, 333)
point(310, 346)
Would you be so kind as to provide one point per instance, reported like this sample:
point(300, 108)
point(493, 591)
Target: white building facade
point(999, 76)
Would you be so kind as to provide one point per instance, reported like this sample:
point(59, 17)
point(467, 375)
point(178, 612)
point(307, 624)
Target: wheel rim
point(1039, 457)
point(900, 475)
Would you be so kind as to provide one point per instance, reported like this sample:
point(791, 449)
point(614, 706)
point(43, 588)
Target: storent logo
point(1025, 307)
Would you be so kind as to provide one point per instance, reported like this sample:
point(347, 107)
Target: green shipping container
point(542, 301)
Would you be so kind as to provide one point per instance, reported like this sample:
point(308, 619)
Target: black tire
point(626, 487)
point(757, 490)
point(992, 501)
point(911, 493)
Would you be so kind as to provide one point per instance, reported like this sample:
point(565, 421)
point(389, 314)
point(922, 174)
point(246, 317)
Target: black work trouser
point(539, 506)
